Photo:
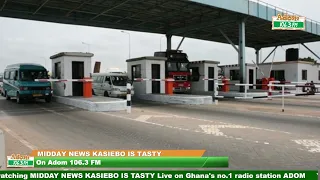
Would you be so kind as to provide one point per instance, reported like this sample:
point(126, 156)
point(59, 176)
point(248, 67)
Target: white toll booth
point(70, 65)
point(149, 67)
point(200, 70)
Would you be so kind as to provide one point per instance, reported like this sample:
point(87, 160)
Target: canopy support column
point(242, 54)
point(257, 60)
point(169, 36)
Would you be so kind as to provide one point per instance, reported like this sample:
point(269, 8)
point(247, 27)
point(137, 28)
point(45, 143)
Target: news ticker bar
point(121, 162)
point(199, 175)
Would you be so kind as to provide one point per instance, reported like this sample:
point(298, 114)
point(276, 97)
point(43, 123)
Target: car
point(19, 82)
point(110, 84)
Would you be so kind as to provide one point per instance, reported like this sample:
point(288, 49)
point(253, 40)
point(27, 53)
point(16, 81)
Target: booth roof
point(77, 54)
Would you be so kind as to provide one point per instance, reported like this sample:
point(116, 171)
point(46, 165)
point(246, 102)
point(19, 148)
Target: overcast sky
point(32, 41)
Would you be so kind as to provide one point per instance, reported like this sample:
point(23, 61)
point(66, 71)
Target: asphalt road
point(254, 135)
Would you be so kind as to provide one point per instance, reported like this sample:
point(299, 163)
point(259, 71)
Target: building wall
point(149, 75)
point(291, 70)
point(199, 85)
point(226, 70)
point(66, 73)
point(145, 87)
point(312, 72)
point(206, 71)
point(139, 87)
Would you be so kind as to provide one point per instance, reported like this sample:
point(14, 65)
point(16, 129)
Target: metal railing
point(281, 10)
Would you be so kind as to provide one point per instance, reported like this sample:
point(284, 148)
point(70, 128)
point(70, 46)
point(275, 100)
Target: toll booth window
point(172, 66)
point(57, 70)
point(304, 75)
point(278, 75)
point(234, 75)
point(136, 71)
point(195, 74)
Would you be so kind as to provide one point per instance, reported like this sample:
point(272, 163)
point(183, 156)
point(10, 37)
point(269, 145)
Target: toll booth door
point(251, 79)
point(210, 76)
point(155, 73)
point(77, 73)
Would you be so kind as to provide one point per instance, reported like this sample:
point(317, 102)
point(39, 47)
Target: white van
point(110, 84)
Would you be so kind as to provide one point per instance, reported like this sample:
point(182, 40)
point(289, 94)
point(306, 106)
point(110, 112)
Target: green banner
point(33, 174)
point(128, 162)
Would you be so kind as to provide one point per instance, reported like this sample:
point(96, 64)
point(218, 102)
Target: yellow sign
point(286, 17)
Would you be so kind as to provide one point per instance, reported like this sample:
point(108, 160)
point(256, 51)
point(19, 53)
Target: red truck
point(177, 68)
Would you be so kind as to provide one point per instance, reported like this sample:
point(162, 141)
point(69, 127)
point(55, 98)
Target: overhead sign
point(288, 22)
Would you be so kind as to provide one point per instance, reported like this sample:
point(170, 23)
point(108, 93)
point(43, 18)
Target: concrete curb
point(176, 99)
point(2, 151)
point(117, 105)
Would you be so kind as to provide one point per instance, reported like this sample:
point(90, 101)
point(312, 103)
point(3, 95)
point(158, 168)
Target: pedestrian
point(313, 87)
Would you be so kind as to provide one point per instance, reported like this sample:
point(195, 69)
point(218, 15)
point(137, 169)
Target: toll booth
point(200, 70)
point(68, 66)
point(149, 67)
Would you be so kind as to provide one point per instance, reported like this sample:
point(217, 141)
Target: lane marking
point(312, 145)
point(211, 121)
point(19, 138)
point(143, 117)
point(147, 117)
point(174, 127)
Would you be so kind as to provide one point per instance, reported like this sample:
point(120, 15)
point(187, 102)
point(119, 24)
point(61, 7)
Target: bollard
point(245, 91)
point(87, 88)
point(128, 97)
point(283, 98)
point(215, 92)
point(2, 151)
point(270, 91)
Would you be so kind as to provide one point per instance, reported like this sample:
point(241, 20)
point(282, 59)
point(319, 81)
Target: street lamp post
point(129, 43)
point(87, 45)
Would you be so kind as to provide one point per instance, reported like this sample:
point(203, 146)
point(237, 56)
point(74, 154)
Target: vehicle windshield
point(172, 66)
point(31, 75)
point(183, 66)
point(119, 80)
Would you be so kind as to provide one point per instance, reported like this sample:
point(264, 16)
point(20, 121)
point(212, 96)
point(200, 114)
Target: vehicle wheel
point(19, 100)
point(106, 94)
point(48, 99)
point(7, 97)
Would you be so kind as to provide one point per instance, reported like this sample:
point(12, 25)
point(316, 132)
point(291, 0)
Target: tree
point(309, 59)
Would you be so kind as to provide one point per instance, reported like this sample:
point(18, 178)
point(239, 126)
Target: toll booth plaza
point(242, 23)
point(72, 84)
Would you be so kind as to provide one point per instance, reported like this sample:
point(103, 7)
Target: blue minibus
point(19, 82)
